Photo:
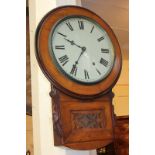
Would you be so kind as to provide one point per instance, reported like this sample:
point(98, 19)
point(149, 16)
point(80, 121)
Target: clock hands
point(83, 50)
point(74, 68)
point(73, 43)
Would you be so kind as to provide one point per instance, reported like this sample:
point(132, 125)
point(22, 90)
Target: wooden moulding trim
point(47, 65)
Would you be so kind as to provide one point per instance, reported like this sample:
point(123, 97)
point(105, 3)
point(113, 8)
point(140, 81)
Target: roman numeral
point(60, 47)
point(92, 29)
point(104, 62)
point(74, 70)
point(100, 39)
point(98, 71)
point(62, 34)
point(64, 59)
point(69, 26)
point(104, 50)
point(81, 25)
point(86, 74)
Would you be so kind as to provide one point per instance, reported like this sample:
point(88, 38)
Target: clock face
point(81, 49)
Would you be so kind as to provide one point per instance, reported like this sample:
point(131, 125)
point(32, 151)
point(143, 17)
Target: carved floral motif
point(88, 119)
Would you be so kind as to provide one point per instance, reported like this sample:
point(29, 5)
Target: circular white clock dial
point(81, 49)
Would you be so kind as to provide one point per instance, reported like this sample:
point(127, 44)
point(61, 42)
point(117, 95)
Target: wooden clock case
point(83, 115)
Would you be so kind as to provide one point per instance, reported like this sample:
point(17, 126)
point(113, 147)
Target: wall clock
point(80, 55)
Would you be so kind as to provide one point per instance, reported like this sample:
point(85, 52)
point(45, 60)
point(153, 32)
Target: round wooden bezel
point(58, 79)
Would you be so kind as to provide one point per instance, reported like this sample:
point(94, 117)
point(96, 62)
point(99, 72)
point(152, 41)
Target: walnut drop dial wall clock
point(72, 44)
point(80, 55)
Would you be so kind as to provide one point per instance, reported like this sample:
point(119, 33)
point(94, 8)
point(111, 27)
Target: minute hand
point(73, 43)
